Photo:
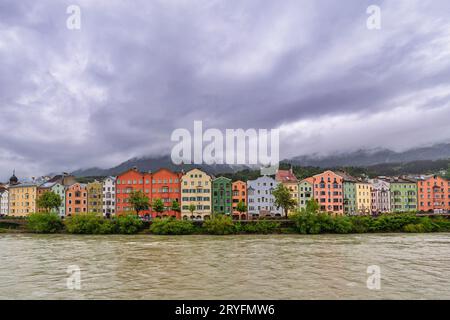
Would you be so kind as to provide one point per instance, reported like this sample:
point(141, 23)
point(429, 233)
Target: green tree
point(49, 200)
point(241, 207)
point(139, 201)
point(158, 206)
point(447, 175)
point(175, 206)
point(192, 208)
point(312, 206)
point(283, 199)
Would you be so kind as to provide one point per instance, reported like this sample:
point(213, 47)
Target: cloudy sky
point(137, 70)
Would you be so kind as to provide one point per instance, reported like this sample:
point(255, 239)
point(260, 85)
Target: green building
point(60, 190)
point(403, 194)
point(349, 187)
point(95, 197)
point(222, 197)
point(305, 192)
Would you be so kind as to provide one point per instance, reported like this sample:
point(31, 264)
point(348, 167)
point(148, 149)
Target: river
point(230, 267)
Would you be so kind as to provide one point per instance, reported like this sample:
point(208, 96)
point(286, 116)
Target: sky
point(117, 87)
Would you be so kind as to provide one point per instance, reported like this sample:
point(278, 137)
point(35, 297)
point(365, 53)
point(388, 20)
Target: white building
point(4, 198)
point(260, 197)
point(381, 196)
point(109, 196)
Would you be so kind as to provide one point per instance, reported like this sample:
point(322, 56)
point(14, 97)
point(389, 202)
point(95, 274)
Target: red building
point(329, 193)
point(163, 184)
point(434, 194)
point(166, 186)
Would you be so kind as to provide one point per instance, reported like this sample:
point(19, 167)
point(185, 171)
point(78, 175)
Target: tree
point(283, 199)
point(241, 207)
point(49, 200)
point(158, 206)
point(192, 208)
point(447, 175)
point(312, 206)
point(175, 206)
point(139, 201)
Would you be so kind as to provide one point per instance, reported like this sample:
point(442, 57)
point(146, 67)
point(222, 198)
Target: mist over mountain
point(364, 158)
point(360, 158)
point(155, 163)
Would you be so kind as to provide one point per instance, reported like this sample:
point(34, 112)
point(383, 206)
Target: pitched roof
point(285, 176)
point(346, 176)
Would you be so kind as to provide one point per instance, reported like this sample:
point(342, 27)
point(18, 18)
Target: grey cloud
point(136, 71)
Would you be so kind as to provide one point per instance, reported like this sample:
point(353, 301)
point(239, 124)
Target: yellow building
point(196, 189)
point(95, 197)
point(22, 199)
point(289, 180)
point(363, 197)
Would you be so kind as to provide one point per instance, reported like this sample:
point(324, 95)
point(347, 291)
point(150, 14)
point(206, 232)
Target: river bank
point(302, 223)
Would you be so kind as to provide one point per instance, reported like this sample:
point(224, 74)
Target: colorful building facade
point(239, 194)
point(363, 197)
point(109, 197)
point(434, 194)
point(130, 181)
point(4, 202)
point(290, 181)
point(166, 185)
point(95, 197)
point(261, 202)
point(221, 196)
point(60, 190)
point(305, 192)
point(349, 185)
point(403, 194)
point(196, 190)
point(22, 199)
point(76, 199)
point(328, 191)
point(381, 196)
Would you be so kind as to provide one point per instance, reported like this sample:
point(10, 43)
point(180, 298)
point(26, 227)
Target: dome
point(13, 179)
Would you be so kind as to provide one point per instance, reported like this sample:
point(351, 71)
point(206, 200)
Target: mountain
point(153, 164)
point(365, 158)
point(380, 158)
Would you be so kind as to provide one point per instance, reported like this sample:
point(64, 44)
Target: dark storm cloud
point(138, 70)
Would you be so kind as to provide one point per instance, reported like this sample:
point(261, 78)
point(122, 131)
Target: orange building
point(328, 191)
point(239, 193)
point(76, 199)
point(163, 184)
point(127, 182)
point(434, 194)
point(166, 186)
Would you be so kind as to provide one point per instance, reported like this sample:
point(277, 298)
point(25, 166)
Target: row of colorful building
point(335, 192)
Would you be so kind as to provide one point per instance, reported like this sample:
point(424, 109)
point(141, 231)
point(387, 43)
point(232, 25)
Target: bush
point(127, 224)
point(44, 223)
point(361, 224)
point(441, 224)
point(312, 223)
point(171, 226)
point(342, 225)
point(261, 227)
point(394, 222)
point(89, 223)
point(219, 225)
